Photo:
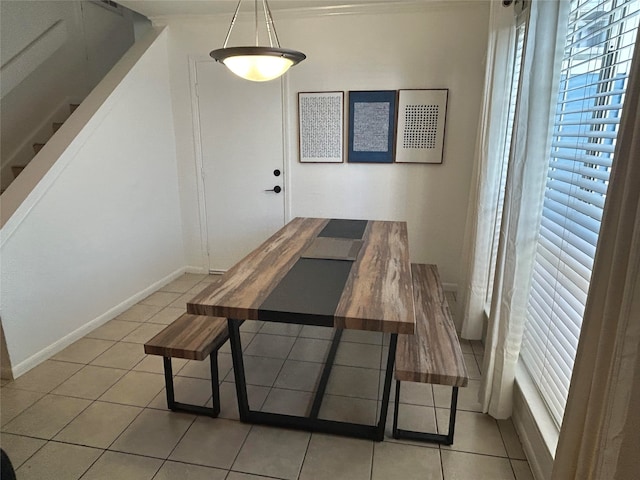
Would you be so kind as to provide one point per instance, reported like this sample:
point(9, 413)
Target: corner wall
point(435, 47)
point(102, 228)
point(428, 45)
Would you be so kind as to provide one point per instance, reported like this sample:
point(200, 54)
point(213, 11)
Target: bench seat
point(192, 337)
point(433, 354)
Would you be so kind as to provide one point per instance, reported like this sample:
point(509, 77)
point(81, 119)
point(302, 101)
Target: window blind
point(598, 50)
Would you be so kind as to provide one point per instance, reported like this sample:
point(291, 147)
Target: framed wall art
point(321, 127)
point(421, 126)
point(372, 121)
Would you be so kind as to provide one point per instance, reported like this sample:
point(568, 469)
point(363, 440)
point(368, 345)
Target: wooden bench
point(193, 337)
point(433, 354)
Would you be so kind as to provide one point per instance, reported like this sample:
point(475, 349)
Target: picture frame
point(421, 126)
point(321, 127)
point(372, 126)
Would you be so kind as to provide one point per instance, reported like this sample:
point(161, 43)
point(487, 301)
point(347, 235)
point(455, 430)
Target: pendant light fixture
point(257, 63)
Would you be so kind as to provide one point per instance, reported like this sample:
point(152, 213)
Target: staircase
point(17, 169)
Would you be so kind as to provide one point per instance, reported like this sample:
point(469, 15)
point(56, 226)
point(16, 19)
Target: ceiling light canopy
point(257, 63)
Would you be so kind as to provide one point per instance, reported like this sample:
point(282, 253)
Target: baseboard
point(537, 445)
point(216, 272)
point(35, 360)
point(196, 270)
point(450, 287)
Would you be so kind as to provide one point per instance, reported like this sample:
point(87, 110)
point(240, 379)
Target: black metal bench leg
point(187, 407)
point(425, 436)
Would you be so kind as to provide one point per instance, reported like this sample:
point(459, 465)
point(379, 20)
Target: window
point(513, 95)
point(109, 5)
point(599, 46)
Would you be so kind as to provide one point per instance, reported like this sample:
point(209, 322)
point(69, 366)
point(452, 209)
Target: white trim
point(535, 427)
point(199, 163)
point(35, 360)
point(196, 270)
point(287, 138)
point(217, 272)
point(402, 6)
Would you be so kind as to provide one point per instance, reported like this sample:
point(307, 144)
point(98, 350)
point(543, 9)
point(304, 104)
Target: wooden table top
point(274, 282)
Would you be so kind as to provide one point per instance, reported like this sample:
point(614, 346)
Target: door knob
point(276, 189)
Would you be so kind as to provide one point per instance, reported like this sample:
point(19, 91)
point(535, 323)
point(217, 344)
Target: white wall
point(421, 46)
point(52, 54)
point(102, 228)
point(108, 33)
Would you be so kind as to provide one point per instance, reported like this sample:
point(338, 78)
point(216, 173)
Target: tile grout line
point(271, 389)
point(304, 457)
point(195, 417)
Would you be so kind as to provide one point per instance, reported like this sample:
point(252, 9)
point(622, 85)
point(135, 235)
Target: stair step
point(73, 106)
point(16, 170)
point(56, 126)
point(37, 147)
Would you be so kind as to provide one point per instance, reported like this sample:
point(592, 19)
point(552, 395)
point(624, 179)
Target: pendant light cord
point(269, 20)
point(271, 26)
point(266, 19)
point(255, 14)
point(233, 22)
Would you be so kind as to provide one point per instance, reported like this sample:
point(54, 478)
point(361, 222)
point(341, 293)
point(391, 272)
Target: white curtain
point(600, 435)
point(486, 175)
point(523, 203)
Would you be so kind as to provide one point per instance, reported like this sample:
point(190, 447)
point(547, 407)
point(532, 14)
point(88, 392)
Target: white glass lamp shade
point(257, 64)
point(258, 68)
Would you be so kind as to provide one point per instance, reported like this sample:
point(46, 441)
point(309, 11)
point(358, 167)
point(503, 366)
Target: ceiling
point(158, 8)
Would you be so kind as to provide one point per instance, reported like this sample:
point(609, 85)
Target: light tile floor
point(97, 410)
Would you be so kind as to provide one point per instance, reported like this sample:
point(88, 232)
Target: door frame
point(199, 162)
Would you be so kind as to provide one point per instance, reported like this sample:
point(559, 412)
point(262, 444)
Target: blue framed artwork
point(372, 126)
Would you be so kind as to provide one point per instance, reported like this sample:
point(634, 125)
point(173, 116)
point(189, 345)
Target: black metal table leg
point(215, 382)
point(311, 423)
point(386, 393)
point(326, 373)
point(238, 369)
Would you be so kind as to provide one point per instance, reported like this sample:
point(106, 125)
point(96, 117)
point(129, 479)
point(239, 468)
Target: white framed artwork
point(421, 126)
point(321, 127)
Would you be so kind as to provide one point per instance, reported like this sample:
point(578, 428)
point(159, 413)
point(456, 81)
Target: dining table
point(346, 274)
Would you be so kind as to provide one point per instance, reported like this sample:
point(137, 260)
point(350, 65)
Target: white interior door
point(242, 148)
